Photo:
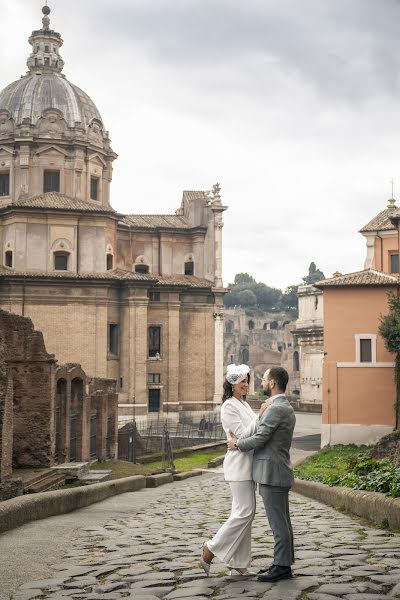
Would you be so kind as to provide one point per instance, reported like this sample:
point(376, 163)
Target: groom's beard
point(267, 393)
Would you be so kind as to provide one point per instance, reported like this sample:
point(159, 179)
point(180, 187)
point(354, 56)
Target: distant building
point(261, 342)
point(309, 333)
point(134, 298)
point(359, 392)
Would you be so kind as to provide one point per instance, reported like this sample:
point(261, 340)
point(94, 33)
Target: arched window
point(9, 258)
point(273, 325)
point(296, 361)
point(265, 326)
point(110, 262)
point(61, 261)
point(141, 268)
point(251, 325)
point(189, 267)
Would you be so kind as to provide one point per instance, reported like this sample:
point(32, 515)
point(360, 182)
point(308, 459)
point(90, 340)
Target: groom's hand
point(232, 441)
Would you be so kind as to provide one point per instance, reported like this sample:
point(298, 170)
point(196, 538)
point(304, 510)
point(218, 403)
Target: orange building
point(359, 391)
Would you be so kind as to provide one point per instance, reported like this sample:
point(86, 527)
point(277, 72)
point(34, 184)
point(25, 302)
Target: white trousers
point(232, 542)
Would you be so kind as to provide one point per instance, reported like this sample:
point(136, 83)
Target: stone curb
point(153, 481)
point(216, 462)
point(187, 474)
point(372, 506)
point(23, 509)
point(182, 452)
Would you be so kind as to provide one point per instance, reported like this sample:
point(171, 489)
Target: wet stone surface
point(153, 554)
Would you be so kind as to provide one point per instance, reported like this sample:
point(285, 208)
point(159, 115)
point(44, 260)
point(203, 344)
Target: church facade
point(136, 298)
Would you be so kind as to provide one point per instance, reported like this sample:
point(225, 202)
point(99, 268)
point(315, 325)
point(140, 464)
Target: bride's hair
point(228, 389)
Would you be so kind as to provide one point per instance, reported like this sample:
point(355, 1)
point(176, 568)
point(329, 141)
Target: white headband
point(236, 373)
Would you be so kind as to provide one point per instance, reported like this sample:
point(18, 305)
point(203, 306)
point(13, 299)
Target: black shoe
point(276, 573)
point(265, 569)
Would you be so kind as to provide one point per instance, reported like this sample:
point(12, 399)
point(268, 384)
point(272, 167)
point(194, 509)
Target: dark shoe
point(265, 569)
point(276, 573)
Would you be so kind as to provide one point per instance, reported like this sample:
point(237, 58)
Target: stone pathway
point(154, 554)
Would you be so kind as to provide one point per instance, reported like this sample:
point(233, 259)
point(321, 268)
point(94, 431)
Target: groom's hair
point(280, 375)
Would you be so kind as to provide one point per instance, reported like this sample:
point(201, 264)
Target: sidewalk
point(145, 545)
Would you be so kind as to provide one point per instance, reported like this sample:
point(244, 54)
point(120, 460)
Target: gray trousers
point(276, 502)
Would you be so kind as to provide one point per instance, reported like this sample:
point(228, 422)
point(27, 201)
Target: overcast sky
point(292, 105)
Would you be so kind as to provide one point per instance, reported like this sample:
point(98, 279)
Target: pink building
point(359, 391)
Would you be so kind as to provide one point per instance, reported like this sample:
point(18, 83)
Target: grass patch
point(122, 468)
point(333, 460)
point(352, 466)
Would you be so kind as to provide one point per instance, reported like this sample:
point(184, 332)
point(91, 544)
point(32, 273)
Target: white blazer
point(237, 416)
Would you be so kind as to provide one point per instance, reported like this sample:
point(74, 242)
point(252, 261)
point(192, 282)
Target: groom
point(272, 469)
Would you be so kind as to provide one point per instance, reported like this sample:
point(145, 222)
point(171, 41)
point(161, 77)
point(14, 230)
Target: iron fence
point(138, 439)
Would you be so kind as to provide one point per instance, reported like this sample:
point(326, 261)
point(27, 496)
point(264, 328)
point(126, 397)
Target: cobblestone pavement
point(154, 553)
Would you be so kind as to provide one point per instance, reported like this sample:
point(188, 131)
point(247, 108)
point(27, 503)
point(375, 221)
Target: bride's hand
point(264, 406)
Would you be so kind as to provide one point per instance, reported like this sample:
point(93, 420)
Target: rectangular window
point(60, 261)
point(189, 268)
point(4, 184)
point(394, 263)
point(154, 400)
point(154, 341)
point(51, 181)
point(154, 296)
point(94, 188)
point(365, 350)
point(154, 377)
point(113, 338)
point(9, 258)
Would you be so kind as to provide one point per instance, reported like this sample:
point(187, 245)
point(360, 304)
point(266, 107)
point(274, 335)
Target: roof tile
point(361, 278)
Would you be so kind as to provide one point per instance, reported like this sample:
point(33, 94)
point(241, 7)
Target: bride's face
point(241, 388)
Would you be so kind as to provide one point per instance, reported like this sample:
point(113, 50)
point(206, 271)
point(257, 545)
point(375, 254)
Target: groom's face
point(266, 384)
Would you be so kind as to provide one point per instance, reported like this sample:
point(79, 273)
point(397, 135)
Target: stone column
point(140, 335)
point(218, 356)
point(172, 400)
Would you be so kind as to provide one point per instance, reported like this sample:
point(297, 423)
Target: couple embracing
point(258, 452)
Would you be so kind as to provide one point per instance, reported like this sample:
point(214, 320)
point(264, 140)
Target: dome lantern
point(46, 43)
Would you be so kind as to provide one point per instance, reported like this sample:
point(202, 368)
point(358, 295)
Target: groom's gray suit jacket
point(271, 444)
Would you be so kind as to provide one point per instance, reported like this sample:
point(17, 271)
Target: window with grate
point(94, 188)
point(113, 336)
point(110, 262)
point(4, 184)
point(141, 268)
point(51, 181)
point(61, 261)
point(154, 341)
point(189, 268)
point(154, 377)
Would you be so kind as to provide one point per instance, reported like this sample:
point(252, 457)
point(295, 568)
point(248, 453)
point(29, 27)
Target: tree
point(290, 298)
point(247, 298)
point(314, 274)
point(389, 328)
point(244, 278)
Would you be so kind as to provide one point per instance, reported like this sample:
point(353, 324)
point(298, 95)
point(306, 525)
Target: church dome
point(30, 96)
point(44, 87)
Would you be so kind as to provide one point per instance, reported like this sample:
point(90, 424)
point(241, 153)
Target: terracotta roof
point(195, 195)
point(382, 221)
point(188, 281)
point(58, 201)
point(367, 277)
point(152, 221)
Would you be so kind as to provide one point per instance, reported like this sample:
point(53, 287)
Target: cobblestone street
point(153, 553)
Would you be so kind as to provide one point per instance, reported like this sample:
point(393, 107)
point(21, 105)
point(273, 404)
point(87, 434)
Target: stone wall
point(32, 371)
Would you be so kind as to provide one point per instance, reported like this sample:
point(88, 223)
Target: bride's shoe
point(203, 563)
point(241, 573)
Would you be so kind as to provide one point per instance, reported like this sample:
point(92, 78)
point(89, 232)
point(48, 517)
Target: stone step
point(49, 481)
point(95, 477)
point(72, 470)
